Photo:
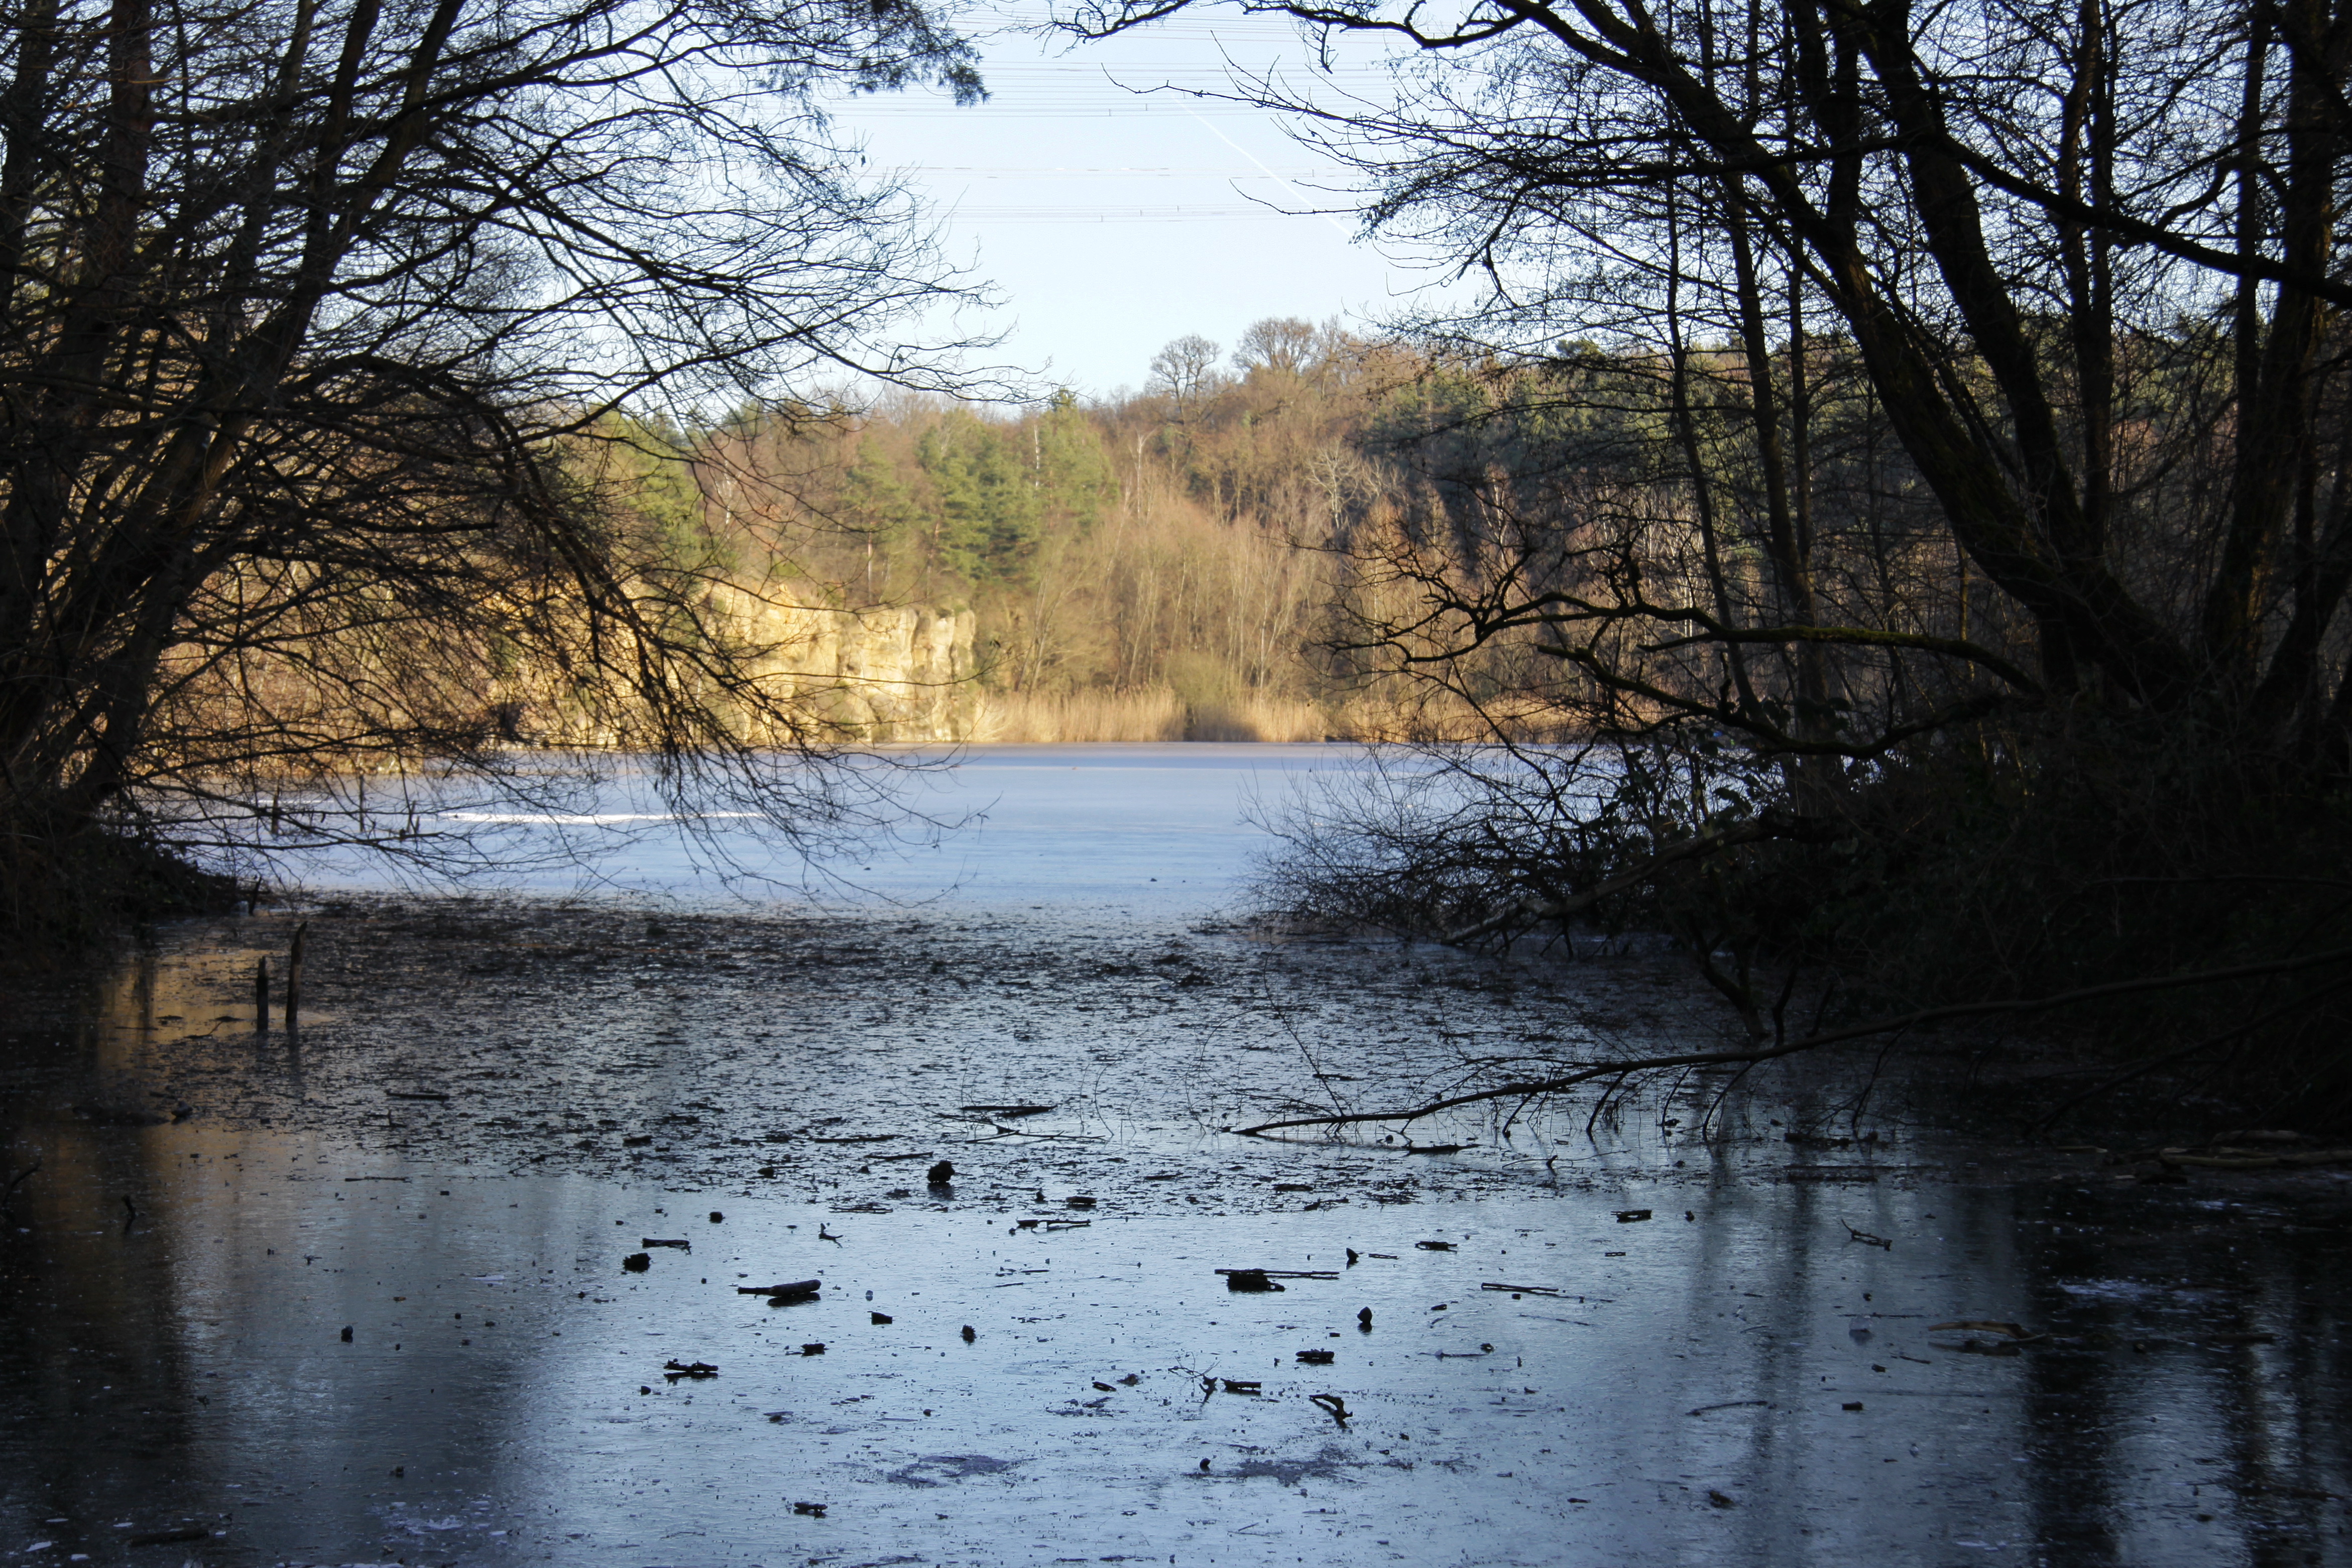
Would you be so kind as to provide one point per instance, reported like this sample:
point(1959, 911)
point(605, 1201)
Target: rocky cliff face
point(900, 674)
point(894, 674)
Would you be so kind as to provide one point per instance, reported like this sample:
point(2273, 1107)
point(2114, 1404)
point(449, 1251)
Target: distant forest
point(1152, 567)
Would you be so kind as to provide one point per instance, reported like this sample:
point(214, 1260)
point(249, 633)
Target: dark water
point(1676, 1391)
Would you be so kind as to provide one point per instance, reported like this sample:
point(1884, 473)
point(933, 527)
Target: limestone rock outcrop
point(898, 674)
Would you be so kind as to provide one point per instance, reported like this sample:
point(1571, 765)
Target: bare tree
point(1185, 370)
point(1283, 344)
point(2018, 221)
point(1933, 419)
point(312, 312)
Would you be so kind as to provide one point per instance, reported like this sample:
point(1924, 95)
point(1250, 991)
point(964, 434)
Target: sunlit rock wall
point(902, 674)
point(889, 675)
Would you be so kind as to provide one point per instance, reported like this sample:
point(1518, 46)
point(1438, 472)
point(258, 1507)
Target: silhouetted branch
point(1556, 1084)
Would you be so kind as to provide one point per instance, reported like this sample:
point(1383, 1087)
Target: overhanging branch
point(1817, 1042)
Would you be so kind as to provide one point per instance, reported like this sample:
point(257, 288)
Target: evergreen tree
point(1074, 470)
point(989, 522)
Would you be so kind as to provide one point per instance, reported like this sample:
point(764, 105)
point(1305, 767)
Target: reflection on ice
point(1695, 1394)
point(493, 1106)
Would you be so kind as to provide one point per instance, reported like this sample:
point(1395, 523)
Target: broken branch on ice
point(1761, 1054)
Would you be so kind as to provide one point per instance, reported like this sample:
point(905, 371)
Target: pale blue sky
point(1113, 220)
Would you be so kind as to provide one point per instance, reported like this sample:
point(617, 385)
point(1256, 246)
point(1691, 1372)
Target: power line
point(965, 115)
point(1046, 171)
point(1235, 211)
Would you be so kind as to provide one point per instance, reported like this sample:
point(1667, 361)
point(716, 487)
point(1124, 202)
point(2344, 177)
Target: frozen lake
point(362, 1294)
point(1155, 831)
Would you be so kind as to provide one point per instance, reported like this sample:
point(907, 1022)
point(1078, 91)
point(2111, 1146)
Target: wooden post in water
point(261, 995)
point(294, 979)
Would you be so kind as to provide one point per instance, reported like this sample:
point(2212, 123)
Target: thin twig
point(1755, 831)
point(8, 1194)
point(1833, 1036)
point(2170, 1057)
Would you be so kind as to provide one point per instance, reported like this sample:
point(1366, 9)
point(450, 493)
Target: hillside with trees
point(1154, 566)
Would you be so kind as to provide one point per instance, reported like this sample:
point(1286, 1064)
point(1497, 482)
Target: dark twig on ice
point(8, 1194)
point(116, 1116)
point(2015, 1332)
point(1334, 1403)
point(1761, 1054)
point(294, 979)
point(681, 1244)
point(1865, 1238)
point(698, 1370)
point(1282, 1273)
point(797, 1288)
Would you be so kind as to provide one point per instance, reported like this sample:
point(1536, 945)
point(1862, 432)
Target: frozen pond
point(1118, 831)
point(493, 1106)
